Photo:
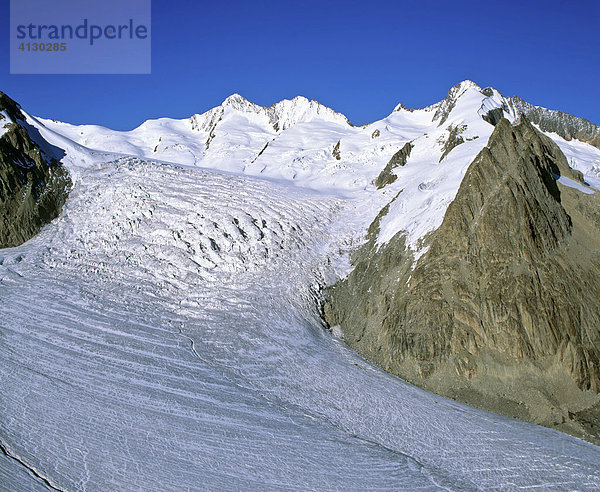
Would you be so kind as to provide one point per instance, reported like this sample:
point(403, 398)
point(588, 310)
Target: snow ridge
point(294, 140)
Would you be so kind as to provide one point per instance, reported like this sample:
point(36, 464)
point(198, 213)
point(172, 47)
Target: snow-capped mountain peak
point(401, 107)
point(466, 84)
point(240, 103)
point(302, 140)
point(442, 108)
point(445, 106)
point(287, 113)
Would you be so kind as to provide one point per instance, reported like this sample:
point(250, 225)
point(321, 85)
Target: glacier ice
point(164, 333)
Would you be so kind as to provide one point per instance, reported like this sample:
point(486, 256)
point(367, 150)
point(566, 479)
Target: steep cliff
point(502, 310)
point(33, 185)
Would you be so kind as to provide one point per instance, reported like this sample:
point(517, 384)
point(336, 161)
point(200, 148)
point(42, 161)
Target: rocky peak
point(460, 88)
point(502, 310)
point(11, 108)
point(282, 115)
point(287, 113)
point(239, 103)
point(401, 107)
point(444, 107)
point(515, 173)
point(206, 122)
point(491, 92)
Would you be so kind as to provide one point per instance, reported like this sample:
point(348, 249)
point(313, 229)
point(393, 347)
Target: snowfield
point(164, 331)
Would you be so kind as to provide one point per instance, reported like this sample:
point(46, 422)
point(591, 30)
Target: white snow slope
point(164, 333)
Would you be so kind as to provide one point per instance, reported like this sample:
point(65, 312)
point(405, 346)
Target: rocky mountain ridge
point(33, 184)
point(502, 309)
point(566, 125)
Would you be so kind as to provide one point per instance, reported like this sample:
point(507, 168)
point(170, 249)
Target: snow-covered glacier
point(164, 333)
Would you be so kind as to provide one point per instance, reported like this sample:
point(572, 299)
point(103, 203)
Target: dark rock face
point(386, 176)
point(336, 151)
point(564, 124)
point(502, 311)
point(453, 140)
point(33, 185)
point(494, 116)
point(446, 105)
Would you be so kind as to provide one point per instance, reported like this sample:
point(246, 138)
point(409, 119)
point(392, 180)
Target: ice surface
point(163, 333)
point(574, 184)
point(581, 156)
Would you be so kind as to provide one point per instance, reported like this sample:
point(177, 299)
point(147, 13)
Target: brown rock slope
point(503, 310)
point(33, 185)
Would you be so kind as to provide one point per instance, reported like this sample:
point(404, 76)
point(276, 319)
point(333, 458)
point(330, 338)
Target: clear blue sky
point(359, 57)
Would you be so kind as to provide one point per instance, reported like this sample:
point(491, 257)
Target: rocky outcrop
point(387, 176)
point(336, 151)
point(33, 184)
point(502, 310)
point(563, 124)
point(494, 116)
point(452, 140)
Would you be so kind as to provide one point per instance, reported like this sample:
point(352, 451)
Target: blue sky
point(360, 58)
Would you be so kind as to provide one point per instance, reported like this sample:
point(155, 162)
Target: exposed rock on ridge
point(386, 176)
point(502, 311)
point(563, 124)
point(452, 140)
point(33, 185)
point(446, 105)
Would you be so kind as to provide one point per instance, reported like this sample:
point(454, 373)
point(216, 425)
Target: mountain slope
point(313, 146)
point(402, 174)
point(293, 140)
point(502, 310)
point(33, 184)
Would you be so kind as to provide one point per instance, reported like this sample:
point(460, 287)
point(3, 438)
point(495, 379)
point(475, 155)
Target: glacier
point(165, 331)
